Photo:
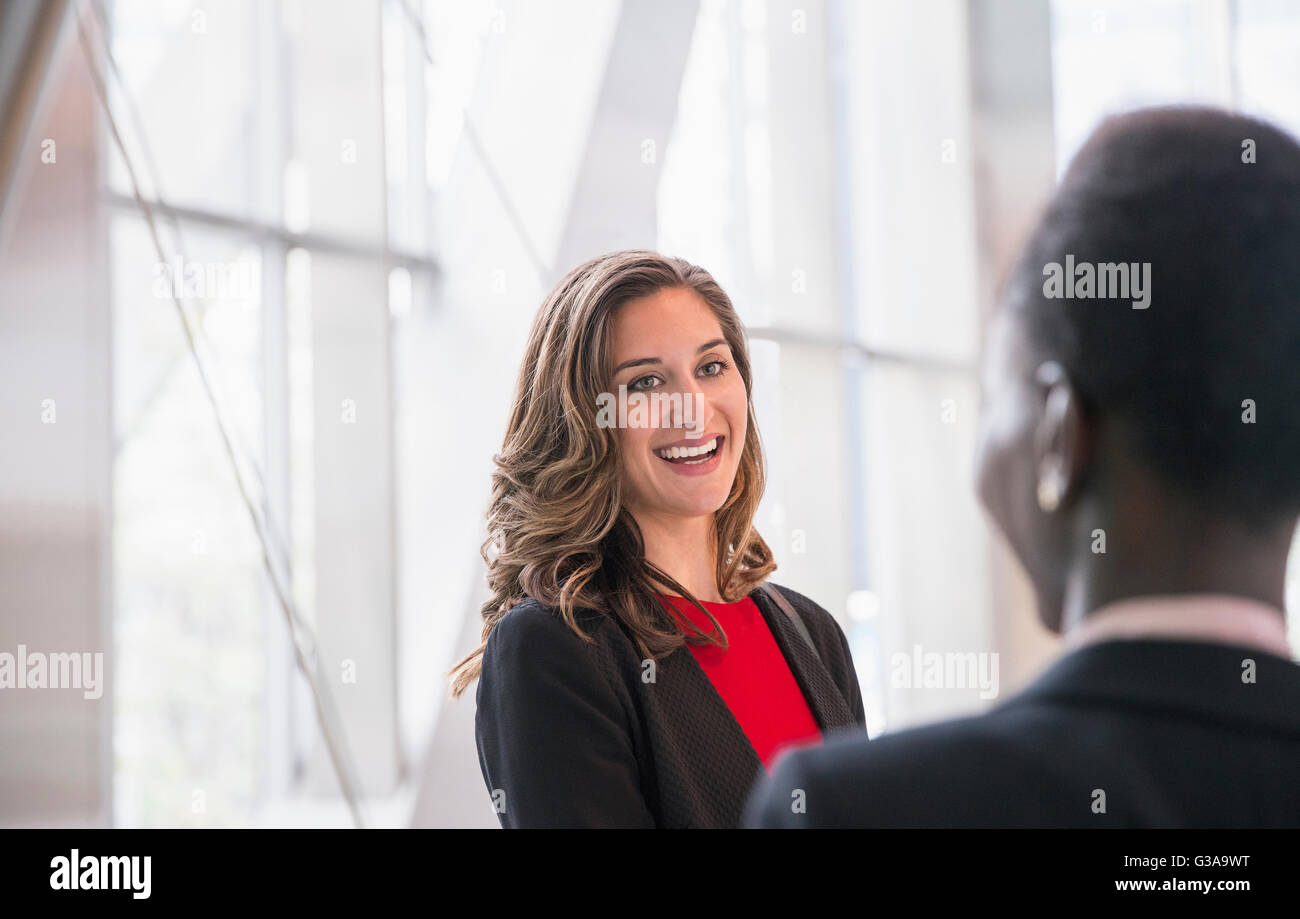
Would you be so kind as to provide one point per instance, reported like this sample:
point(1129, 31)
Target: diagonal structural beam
point(614, 199)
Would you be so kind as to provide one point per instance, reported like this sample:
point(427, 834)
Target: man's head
point(1148, 342)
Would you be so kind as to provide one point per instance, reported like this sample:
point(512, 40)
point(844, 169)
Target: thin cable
point(304, 642)
point(100, 17)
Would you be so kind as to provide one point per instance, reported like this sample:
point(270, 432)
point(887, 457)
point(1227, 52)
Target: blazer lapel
point(710, 716)
point(726, 733)
point(819, 688)
point(717, 741)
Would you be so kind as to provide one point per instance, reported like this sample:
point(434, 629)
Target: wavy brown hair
point(557, 528)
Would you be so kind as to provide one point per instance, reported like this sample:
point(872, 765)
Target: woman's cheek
point(739, 416)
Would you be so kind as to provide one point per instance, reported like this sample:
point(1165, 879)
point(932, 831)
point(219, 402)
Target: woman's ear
point(1061, 441)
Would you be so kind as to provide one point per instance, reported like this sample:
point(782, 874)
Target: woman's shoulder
point(832, 647)
point(532, 647)
point(826, 631)
point(531, 624)
point(812, 610)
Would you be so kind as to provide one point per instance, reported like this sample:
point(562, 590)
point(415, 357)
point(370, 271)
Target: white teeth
point(681, 452)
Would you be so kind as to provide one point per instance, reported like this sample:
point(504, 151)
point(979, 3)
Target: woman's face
point(1011, 428)
point(669, 343)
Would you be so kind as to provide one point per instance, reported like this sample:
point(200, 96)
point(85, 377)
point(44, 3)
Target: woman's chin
point(695, 505)
point(695, 508)
point(697, 494)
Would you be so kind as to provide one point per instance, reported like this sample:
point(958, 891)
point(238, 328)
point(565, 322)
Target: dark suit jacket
point(569, 733)
point(1167, 730)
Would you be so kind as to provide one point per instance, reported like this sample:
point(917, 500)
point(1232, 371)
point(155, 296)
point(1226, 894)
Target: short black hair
point(1211, 200)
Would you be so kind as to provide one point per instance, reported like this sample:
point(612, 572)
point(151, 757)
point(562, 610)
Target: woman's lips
point(687, 467)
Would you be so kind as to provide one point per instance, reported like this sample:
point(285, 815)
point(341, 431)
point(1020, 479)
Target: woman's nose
point(686, 408)
point(696, 413)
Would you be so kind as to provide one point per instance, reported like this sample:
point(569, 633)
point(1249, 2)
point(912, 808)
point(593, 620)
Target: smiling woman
point(634, 667)
point(673, 340)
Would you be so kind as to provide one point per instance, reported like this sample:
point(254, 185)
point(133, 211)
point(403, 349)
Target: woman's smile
point(695, 456)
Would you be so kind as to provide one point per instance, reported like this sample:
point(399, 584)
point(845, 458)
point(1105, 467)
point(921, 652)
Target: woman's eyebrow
point(656, 360)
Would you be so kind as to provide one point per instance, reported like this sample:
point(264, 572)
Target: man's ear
point(1062, 438)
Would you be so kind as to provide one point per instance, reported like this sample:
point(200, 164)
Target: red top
point(751, 676)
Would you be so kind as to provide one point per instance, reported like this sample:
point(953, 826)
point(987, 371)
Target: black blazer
point(1166, 730)
point(570, 734)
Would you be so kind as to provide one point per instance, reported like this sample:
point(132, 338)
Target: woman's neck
point(685, 548)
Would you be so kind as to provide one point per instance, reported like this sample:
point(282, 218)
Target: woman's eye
point(645, 382)
point(713, 368)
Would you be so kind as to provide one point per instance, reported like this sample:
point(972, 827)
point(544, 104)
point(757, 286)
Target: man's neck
point(1163, 550)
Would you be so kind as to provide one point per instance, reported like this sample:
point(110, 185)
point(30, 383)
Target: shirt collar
point(1220, 618)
